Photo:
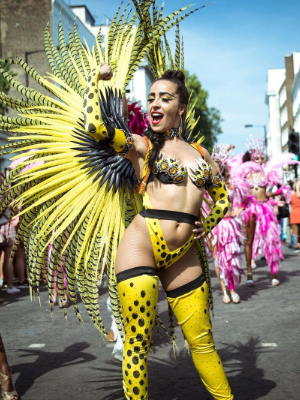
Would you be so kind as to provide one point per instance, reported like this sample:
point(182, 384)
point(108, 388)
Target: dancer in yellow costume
point(86, 190)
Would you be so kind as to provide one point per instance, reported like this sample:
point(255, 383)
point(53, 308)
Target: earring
point(180, 125)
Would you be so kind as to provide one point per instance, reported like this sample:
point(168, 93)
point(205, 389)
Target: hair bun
point(174, 74)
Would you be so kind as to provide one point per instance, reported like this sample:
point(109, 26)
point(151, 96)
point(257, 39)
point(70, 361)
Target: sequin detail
point(169, 170)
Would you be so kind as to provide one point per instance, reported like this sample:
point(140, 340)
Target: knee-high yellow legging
point(192, 313)
point(138, 298)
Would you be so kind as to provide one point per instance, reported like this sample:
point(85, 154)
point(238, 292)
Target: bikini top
point(169, 170)
point(258, 180)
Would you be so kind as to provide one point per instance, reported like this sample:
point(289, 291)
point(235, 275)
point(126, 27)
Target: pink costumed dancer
point(228, 234)
point(261, 225)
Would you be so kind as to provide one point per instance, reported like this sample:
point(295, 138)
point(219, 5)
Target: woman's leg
point(226, 298)
point(187, 296)
point(295, 233)
point(138, 296)
point(196, 326)
point(249, 232)
point(1, 267)
point(19, 263)
point(8, 266)
point(5, 379)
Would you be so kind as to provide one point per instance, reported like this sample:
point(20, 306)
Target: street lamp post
point(259, 126)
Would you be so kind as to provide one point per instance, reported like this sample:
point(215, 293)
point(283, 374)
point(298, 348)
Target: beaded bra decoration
point(168, 170)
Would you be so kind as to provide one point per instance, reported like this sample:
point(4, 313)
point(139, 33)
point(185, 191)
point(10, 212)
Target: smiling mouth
point(156, 118)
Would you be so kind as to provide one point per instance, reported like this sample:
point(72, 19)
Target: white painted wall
point(296, 99)
point(60, 10)
point(275, 80)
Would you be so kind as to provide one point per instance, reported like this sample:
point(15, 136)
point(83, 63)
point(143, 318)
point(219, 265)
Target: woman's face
point(164, 108)
point(258, 158)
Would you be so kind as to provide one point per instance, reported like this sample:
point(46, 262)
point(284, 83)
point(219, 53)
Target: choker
point(170, 133)
point(173, 132)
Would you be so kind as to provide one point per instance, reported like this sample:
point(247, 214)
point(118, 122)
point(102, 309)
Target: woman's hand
point(199, 232)
point(236, 212)
point(105, 72)
point(14, 221)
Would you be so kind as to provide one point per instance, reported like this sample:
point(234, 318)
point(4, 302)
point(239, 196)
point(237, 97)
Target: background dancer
point(261, 225)
point(228, 234)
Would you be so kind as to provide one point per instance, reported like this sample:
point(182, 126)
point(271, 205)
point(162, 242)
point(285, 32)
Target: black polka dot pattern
point(196, 327)
point(138, 310)
point(164, 258)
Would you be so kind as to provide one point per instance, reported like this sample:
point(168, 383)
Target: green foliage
point(210, 120)
point(4, 85)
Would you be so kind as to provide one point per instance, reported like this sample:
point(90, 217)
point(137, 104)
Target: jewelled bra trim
point(168, 170)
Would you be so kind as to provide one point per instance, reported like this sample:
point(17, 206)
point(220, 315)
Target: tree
point(210, 120)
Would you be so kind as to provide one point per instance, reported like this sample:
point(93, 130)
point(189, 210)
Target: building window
point(283, 117)
point(282, 96)
point(284, 137)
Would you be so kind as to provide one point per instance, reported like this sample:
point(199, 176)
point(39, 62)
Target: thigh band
point(196, 283)
point(133, 272)
point(169, 215)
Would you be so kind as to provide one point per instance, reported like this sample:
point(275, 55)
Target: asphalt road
point(258, 341)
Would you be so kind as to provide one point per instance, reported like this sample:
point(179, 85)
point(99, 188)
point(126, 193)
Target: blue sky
point(230, 45)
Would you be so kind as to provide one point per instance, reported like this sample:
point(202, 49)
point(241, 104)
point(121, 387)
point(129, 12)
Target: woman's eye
point(166, 99)
point(150, 99)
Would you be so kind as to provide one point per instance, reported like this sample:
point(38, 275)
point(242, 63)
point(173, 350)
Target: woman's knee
point(249, 240)
point(201, 342)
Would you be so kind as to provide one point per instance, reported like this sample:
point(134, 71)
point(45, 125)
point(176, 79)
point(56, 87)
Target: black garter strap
point(133, 272)
point(169, 215)
point(195, 284)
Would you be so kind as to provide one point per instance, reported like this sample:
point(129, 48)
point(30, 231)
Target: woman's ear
point(182, 109)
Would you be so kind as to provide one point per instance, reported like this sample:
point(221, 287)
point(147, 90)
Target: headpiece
point(220, 155)
point(255, 147)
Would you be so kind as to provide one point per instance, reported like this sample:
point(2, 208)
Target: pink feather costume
point(228, 238)
point(267, 232)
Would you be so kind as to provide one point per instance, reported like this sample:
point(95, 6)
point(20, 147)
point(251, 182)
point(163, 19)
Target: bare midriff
point(184, 197)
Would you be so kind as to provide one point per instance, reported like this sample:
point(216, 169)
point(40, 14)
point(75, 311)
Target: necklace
point(173, 132)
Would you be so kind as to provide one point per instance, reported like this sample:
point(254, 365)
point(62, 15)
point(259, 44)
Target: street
point(258, 341)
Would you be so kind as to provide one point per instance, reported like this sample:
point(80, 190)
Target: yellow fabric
point(163, 256)
point(220, 208)
point(192, 313)
point(138, 298)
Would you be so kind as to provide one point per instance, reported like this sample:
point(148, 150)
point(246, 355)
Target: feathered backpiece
point(255, 147)
point(221, 155)
point(81, 196)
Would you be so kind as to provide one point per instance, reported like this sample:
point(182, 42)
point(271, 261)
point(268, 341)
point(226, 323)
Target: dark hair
point(246, 157)
point(157, 139)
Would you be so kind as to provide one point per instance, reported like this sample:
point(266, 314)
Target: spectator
point(295, 214)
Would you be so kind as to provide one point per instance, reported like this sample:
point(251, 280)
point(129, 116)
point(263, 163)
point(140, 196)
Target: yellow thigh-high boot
point(138, 292)
point(190, 306)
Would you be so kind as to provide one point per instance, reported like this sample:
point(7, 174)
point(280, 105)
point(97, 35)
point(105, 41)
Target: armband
point(120, 141)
